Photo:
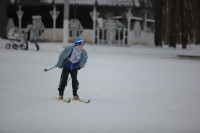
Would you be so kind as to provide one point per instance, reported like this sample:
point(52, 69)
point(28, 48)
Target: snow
point(133, 89)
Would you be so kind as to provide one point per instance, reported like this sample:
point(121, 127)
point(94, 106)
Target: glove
point(78, 68)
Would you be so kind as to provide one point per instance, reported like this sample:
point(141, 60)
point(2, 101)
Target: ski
point(64, 100)
point(83, 101)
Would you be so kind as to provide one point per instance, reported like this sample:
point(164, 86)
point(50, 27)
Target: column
point(128, 16)
point(54, 14)
point(66, 23)
point(20, 14)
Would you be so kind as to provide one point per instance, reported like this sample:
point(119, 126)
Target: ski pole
point(49, 69)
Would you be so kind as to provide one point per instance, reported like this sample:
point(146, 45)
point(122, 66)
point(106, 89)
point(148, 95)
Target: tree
point(158, 22)
point(172, 23)
point(183, 26)
point(181, 22)
point(3, 18)
point(196, 11)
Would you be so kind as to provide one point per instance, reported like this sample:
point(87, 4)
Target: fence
point(112, 32)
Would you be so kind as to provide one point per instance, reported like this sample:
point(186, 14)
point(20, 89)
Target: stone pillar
point(128, 16)
point(66, 23)
point(54, 14)
point(145, 21)
point(94, 22)
point(94, 16)
point(20, 14)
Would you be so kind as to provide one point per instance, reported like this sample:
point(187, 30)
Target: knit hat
point(79, 41)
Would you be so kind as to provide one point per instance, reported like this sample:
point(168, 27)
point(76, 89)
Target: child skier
point(71, 59)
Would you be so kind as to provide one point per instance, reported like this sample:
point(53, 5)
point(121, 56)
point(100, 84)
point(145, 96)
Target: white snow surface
point(133, 89)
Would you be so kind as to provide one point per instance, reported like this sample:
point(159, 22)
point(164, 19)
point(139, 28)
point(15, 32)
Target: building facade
point(123, 22)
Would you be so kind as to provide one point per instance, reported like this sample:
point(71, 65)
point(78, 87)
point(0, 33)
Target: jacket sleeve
point(63, 55)
point(83, 59)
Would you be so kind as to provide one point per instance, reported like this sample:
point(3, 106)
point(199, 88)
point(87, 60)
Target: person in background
point(30, 32)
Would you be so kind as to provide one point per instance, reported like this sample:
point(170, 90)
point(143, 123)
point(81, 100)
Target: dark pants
point(64, 78)
point(35, 42)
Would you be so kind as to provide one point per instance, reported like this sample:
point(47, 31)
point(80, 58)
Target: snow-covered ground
point(132, 90)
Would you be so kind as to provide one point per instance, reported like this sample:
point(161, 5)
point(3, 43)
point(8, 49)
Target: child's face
point(80, 47)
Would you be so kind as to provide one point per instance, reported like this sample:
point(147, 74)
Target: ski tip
point(68, 101)
point(88, 101)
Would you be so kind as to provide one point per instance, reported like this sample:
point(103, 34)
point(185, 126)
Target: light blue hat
point(79, 41)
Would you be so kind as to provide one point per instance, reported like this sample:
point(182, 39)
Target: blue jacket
point(66, 53)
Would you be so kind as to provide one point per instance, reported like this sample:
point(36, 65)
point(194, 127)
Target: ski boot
point(38, 48)
point(76, 97)
point(60, 97)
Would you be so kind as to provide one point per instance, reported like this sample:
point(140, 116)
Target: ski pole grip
point(49, 69)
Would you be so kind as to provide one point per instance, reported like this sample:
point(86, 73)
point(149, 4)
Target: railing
point(112, 32)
